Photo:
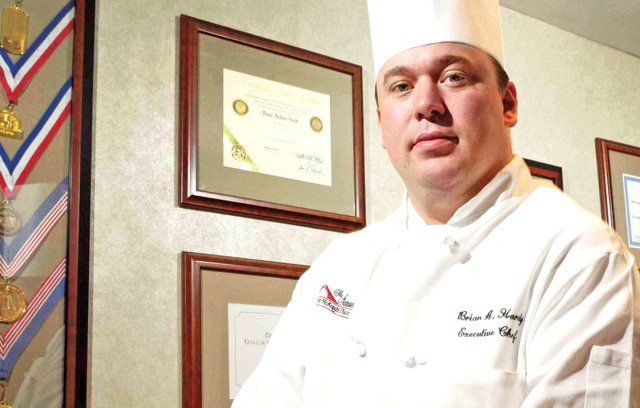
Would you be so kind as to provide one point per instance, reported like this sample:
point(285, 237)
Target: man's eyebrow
point(445, 60)
point(453, 59)
point(398, 70)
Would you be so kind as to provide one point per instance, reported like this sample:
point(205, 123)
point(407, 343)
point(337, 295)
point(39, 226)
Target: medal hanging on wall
point(15, 23)
point(3, 400)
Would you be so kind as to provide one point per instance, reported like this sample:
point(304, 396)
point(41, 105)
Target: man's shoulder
point(375, 233)
point(570, 220)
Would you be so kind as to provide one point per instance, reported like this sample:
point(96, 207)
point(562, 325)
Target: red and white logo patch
point(337, 302)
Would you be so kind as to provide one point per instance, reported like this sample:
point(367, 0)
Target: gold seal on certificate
point(13, 302)
point(10, 220)
point(316, 124)
point(10, 123)
point(15, 22)
point(238, 152)
point(240, 107)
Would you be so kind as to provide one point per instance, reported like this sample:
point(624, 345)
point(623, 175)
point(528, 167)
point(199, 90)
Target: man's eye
point(454, 77)
point(400, 88)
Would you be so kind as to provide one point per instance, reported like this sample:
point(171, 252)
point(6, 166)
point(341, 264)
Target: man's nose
point(429, 102)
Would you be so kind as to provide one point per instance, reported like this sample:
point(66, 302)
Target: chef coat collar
point(512, 182)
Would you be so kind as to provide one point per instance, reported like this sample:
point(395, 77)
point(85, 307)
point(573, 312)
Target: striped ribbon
point(14, 171)
point(15, 77)
point(19, 335)
point(15, 255)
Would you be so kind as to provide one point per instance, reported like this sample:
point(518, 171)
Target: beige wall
point(571, 91)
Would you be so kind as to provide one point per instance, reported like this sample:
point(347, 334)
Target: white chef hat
point(398, 25)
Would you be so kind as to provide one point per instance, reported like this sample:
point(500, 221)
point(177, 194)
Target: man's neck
point(437, 208)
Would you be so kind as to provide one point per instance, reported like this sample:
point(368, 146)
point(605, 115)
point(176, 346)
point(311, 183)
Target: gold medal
point(238, 152)
point(240, 107)
point(10, 124)
point(13, 303)
point(3, 401)
point(15, 22)
point(10, 220)
point(316, 124)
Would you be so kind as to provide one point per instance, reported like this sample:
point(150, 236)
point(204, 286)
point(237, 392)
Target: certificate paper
point(250, 328)
point(276, 129)
point(632, 208)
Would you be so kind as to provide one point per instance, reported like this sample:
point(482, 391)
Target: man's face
point(443, 119)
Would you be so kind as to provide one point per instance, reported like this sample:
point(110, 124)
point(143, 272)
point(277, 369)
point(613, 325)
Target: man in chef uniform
point(485, 288)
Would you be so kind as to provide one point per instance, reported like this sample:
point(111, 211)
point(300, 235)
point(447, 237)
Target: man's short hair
point(502, 76)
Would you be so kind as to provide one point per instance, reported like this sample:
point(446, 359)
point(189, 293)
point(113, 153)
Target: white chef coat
point(522, 299)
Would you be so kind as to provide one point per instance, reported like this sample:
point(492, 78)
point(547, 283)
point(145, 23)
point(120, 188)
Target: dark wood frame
point(547, 171)
point(603, 147)
point(78, 257)
point(191, 197)
point(192, 266)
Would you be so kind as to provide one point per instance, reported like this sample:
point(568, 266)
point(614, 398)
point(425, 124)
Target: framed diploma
point(619, 180)
point(268, 130)
point(230, 307)
point(545, 172)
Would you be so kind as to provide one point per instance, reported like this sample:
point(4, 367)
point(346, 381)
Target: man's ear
point(510, 105)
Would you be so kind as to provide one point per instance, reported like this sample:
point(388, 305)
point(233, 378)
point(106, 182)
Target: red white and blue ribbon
point(26, 243)
point(14, 171)
point(19, 335)
point(15, 77)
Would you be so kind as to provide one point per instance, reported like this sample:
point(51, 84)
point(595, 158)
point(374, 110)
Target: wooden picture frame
point(209, 282)
point(268, 130)
point(619, 182)
point(76, 384)
point(545, 171)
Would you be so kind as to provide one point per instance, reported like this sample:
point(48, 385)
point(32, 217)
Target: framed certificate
point(268, 130)
point(619, 179)
point(230, 307)
point(545, 172)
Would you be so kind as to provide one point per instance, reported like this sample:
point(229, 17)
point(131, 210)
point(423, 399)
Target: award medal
point(14, 341)
point(10, 220)
point(10, 124)
point(3, 401)
point(13, 302)
point(15, 22)
point(14, 77)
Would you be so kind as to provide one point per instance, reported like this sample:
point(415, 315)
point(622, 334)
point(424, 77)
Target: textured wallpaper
point(571, 90)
